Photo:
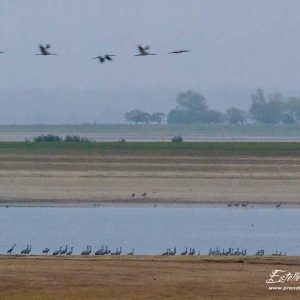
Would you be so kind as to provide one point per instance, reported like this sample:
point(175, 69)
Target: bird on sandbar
point(45, 50)
point(105, 57)
point(143, 51)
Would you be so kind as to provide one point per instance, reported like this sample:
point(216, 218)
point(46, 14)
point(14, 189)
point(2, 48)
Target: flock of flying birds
point(143, 51)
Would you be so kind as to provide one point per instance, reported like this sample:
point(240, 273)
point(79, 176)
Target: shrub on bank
point(67, 139)
point(77, 139)
point(177, 139)
point(47, 138)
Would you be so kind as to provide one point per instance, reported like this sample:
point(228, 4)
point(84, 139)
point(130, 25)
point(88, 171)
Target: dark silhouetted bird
point(45, 50)
point(105, 57)
point(9, 251)
point(179, 51)
point(70, 251)
point(46, 251)
point(143, 51)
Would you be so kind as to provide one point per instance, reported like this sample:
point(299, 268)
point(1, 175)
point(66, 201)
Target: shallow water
point(151, 230)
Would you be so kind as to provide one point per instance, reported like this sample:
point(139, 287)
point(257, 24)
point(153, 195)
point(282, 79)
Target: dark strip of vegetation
point(153, 148)
point(57, 138)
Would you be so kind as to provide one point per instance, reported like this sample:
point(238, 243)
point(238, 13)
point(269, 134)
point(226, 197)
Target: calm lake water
point(151, 230)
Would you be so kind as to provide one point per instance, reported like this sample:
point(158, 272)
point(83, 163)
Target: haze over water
point(236, 46)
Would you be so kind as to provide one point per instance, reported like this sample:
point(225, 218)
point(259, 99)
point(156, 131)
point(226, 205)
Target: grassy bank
point(154, 148)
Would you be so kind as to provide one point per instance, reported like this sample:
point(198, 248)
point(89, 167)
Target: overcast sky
point(233, 42)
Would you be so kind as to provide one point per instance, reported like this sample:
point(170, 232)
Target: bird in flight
point(1, 52)
point(105, 57)
point(143, 51)
point(179, 51)
point(45, 50)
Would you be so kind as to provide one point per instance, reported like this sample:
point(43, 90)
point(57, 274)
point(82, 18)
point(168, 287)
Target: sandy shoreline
point(65, 203)
point(77, 177)
point(143, 277)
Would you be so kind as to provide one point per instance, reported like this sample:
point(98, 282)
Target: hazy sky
point(233, 42)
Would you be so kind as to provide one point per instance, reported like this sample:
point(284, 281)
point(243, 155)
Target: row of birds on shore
point(245, 204)
point(218, 252)
point(142, 51)
point(104, 250)
point(69, 251)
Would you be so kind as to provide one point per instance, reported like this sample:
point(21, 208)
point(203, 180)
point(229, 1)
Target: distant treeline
point(192, 108)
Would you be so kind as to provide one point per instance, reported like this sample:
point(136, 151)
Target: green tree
point(191, 101)
point(157, 117)
point(191, 108)
point(138, 116)
point(235, 115)
point(263, 111)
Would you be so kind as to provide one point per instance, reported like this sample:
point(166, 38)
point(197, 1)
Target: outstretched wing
point(143, 50)
point(43, 50)
point(108, 57)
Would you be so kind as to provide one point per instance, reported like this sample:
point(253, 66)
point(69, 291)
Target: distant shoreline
point(122, 203)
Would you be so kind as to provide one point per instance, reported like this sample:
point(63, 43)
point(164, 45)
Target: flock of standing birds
point(143, 51)
point(69, 251)
point(106, 251)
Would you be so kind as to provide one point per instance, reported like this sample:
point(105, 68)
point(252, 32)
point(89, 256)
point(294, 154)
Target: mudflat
point(143, 277)
point(186, 173)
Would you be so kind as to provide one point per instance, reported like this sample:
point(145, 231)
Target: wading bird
point(24, 251)
point(105, 57)
point(192, 251)
point(64, 251)
point(28, 250)
point(57, 251)
point(9, 251)
point(87, 251)
point(173, 252)
point(179, 51)
point(184, 252)
point(133, 195)
point(144, 195)
point(131, 253)
point(46, 251)
point(70, 251)
point(167, 252)
point(45, 50)
point(118, 252)
point(143, 51)
point(100, 251)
